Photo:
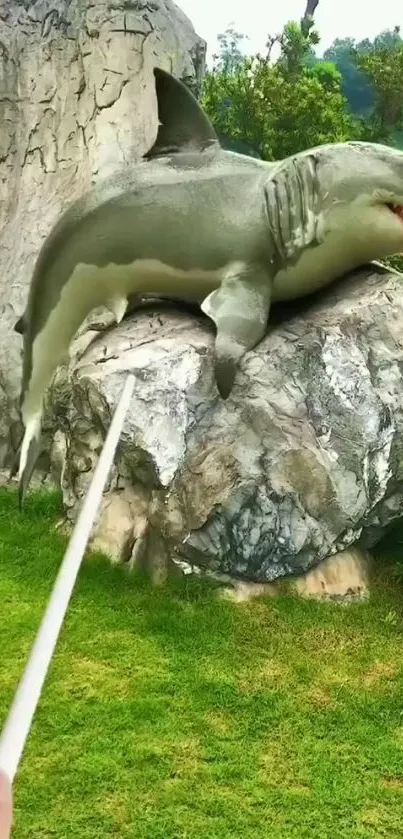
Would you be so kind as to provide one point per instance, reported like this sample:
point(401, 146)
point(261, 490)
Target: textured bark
point(310, 9)
point(76, 101)
point(303, 461)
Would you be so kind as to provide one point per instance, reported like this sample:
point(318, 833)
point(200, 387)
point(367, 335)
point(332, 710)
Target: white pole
point(18, 723)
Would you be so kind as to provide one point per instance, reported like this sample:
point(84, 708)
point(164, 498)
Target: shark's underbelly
point(318, 266)
point(91, 286)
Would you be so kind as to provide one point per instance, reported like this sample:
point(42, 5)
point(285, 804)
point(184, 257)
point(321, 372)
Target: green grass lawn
point(170, 714)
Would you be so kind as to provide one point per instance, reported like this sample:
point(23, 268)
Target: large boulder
point(303, 461)
point(77, 101)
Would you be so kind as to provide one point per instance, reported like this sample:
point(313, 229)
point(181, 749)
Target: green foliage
point(395, 261)
point(168, 713)
point(388, 38)
point(230, 54)
point(281, 107)
point(371, 81)
point(273, 108)
point(355, 85)
point(296, 45)
point(383, 66)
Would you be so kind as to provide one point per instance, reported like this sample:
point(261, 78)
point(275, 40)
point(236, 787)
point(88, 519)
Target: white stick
point(17, 726)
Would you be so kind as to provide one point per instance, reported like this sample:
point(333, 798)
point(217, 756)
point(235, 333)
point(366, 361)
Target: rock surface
point(76, 101)
point(343, 577)
point(302, 462)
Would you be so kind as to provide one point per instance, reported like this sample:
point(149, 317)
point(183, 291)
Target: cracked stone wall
point(76, 102)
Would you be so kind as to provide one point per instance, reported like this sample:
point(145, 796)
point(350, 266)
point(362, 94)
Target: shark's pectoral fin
point(117, 306)
point(31, 448)
point(240, 310)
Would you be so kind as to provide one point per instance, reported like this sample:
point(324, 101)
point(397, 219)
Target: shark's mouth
point(396, 209)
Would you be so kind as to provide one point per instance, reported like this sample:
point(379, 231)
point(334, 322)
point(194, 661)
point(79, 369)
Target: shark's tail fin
point(31, 449)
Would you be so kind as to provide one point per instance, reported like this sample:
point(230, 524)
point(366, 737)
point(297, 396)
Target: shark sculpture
point(196, 223)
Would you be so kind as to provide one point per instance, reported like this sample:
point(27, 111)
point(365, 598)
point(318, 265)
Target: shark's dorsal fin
point(183, 124)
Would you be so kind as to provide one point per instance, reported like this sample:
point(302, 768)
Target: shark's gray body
point(197, 223)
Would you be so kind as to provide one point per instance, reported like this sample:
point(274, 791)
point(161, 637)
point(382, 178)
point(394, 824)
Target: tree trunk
point(310, 9)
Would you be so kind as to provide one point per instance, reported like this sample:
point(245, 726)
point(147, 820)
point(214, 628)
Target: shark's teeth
point(117, 306)
point(397, 209)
